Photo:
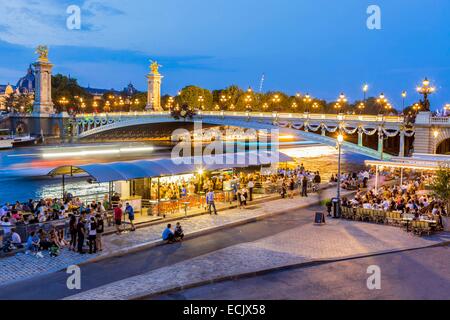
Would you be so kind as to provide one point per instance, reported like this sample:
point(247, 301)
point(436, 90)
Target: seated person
point(167, 234)
point(33, 242)
point(179, 234)
point(15, 239)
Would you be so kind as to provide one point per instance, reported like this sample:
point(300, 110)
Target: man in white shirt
point(16, 240)
point(6, 226)
point(250, 186)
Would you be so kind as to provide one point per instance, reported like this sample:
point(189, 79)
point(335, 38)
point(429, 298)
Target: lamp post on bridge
point(340, 140)
point(404, 94)
point(307, 100)
point(341, 101)
point(365, 88)
point(425, 90)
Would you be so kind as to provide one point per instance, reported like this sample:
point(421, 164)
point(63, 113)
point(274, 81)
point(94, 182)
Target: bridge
point(306, 125)
point(429, 134)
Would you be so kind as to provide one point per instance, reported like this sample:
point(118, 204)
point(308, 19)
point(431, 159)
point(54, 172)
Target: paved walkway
point(418, 274)
point(338, 239)
point(21, 266)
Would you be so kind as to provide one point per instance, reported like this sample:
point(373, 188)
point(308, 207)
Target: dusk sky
point(318, 46)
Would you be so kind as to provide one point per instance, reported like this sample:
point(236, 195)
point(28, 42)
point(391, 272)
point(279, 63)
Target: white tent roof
point(122, 171)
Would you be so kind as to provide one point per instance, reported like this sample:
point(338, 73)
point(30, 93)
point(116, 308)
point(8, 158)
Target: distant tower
point(154, 88)
point(43, 76)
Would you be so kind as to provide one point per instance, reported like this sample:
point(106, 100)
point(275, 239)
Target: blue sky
point(318, 46)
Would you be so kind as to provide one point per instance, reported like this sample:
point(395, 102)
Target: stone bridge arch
point(442, 141)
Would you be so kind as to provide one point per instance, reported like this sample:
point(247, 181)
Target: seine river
point(23, 171)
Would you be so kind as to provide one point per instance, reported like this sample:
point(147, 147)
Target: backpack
point(54, 251)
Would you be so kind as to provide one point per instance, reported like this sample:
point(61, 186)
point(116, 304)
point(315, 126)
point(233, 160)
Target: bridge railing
point(268, 115)
point(440, 120)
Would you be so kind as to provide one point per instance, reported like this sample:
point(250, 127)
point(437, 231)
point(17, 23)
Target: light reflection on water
point(14, 187)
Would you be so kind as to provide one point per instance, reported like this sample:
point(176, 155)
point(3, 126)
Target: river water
point(23, 171)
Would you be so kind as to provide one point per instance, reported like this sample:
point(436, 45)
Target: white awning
point(123, 171)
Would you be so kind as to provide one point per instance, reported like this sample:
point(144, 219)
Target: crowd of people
point(44, 224)
point(407, 198)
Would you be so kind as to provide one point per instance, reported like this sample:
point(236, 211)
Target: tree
point(25, 102)
point(195, 97)
point(10, 102)
point(440, 186)
point(19, 102)
point(76, 97)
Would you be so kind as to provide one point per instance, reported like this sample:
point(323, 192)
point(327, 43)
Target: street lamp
point(404, 94)
point(63, 101)
point(276, 99)
point(342, 100)
point(201, 100)
point(365, 88)
point(248, 100)
point(340, 140)
point(382, 101)
point(315, 106)
point(107, 106)
point(447, 108)
point(417, 107)
point(307, 100)
point(435, 135)
point(223, 100)
point(361, 107)
point(338, 107)
point(426, 90)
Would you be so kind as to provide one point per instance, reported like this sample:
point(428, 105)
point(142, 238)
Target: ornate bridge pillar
point(323, 131)
point(154, 79)
point(401, 152)
point(360, 137)
point(380, 142)
point(43, 104)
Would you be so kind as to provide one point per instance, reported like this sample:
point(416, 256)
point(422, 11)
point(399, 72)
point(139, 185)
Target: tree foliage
point(19, 102)
point(440, 185)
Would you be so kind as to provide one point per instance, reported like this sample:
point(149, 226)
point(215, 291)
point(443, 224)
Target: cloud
point(30, 22)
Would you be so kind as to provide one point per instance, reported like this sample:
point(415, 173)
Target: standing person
point(92, 235)
point(118, 218)
point(80, 235)
point(305, 187)
point(250, 187)
point(129, 210)
point(210, 201)
point(244, 195)
point(291, 188)
point(329, 205)
point(100, 230)
point(73, 232)
point(283, 190)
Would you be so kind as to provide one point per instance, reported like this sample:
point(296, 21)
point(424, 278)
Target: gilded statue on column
point(42, 51)
point(154, 67)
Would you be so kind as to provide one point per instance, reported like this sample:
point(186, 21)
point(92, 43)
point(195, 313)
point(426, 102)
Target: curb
point(194, 234)
point(279, 268)
point(169, 219)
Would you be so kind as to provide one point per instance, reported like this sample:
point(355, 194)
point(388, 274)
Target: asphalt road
point(53, 286)
point(419, 274)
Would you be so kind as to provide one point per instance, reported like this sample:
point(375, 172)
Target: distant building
point(129, 91)
point(25, 85)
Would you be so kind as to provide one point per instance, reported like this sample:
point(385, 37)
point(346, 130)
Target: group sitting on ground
point(176, 235)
